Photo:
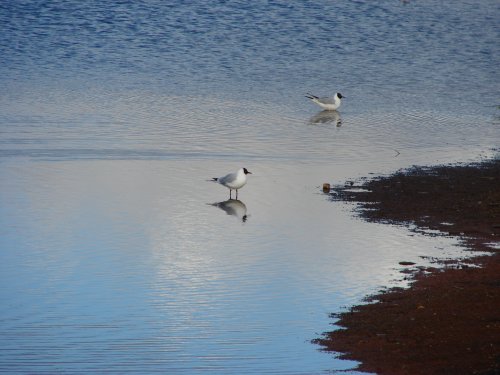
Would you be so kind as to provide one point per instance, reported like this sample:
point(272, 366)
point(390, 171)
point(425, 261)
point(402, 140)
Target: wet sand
point(448, 321)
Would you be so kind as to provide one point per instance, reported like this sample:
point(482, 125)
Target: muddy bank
point(448, 322)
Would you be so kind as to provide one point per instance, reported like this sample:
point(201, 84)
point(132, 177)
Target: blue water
point(115, 254)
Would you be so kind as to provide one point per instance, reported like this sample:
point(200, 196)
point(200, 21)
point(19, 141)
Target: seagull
point(328, 103)
point(233, 181)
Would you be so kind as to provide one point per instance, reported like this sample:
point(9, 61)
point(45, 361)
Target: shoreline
point(448, 320)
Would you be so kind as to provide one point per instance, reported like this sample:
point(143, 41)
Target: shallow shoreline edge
point(448, 321)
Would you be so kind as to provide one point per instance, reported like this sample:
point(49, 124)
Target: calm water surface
point(116, 254)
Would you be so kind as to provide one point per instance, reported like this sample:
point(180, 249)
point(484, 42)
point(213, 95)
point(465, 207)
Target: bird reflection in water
point(233, 207)
point(325, 117)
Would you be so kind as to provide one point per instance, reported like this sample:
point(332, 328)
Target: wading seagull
point(328, 103)
point(233, 181)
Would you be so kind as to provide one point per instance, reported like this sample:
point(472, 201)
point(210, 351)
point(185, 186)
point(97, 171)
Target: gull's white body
point(328, 103)
point(234, 181)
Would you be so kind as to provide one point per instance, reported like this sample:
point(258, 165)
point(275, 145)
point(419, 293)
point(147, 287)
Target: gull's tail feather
point(311, 96)
point(214, 179)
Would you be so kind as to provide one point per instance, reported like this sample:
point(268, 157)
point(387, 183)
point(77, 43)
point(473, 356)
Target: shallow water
point(118, 256)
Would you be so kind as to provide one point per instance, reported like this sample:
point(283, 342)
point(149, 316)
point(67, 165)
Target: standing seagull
point(328, 103)
point(233, 181)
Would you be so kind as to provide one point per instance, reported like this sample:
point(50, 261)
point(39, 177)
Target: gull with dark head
point(328, 103)
point(233, 181)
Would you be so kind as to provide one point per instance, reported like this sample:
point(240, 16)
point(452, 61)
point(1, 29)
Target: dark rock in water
point(407, 263)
